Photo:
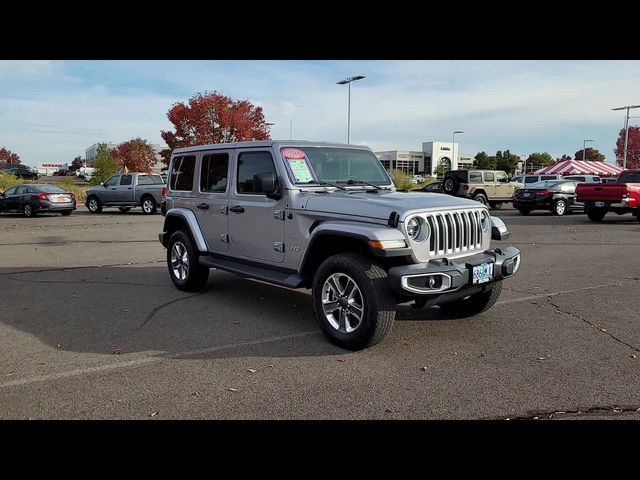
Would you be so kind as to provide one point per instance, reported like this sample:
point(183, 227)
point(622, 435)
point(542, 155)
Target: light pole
point(453, 148)
point(626, 131)
point(348, 82)
point(291, 130)
point(584, 150)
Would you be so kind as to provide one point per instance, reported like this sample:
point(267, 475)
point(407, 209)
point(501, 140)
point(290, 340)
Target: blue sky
point(53, 110)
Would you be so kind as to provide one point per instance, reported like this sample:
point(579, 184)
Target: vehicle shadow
point(124, 310)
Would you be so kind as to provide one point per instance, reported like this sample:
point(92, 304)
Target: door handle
point(129, 188)
point(203, 206)
point(113, 188)
point(237, 209)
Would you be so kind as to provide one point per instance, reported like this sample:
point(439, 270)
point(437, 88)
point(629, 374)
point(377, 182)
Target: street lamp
point(348, 82)
point(584, 150)
point(626, 133)
point(453, 148)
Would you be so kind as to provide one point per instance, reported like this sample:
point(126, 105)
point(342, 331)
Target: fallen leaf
point(543, 358)
point(118, 350)
point(632, 356)
point(124, 310)
point(536, 418)
point(236, 323)
point(59, 346)
point(388, 410)
point(270, 366)
point(233, 389)
point(10, 374)
point(73, 296)
point(603, 330)
point(424, 369)
point(340, 360)
point(195, 394)
point(251, 370)
point(153, 414)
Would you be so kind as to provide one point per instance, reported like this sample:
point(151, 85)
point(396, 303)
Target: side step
point(284, 279)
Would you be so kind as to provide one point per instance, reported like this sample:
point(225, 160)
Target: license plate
point(60, 199)
point(482, 273)
point(599, 204)
point(526, 194)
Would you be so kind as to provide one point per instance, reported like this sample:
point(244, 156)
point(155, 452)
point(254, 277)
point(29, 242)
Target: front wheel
point(182, 260)
point(596, 214)
point(475, 304)
point(148, 205)
point(353, 304)
point(559, 207)
point(94, 205)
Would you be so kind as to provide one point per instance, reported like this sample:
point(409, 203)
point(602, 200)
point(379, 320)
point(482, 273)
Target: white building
point(433, 154)
point(50, 168)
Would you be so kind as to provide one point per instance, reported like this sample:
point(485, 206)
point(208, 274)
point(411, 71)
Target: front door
point(108, 195)
point(7, 203)
point(504, 189)
point(256, 223)
point(212, 199)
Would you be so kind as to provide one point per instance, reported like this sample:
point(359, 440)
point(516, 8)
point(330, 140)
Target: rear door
point(124, 189)
point(212, 199)
point(256, 223)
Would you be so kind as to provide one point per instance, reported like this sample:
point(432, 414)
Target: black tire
point(480, 197)
point(66, 213)
point(148, 205)
point(124, 209)
point(93, 204)
point(560, 207)
point(596, 214)
point(476, 304)
point(28, 210)
point(187, 275)
point(450, 185)
point(378, 304)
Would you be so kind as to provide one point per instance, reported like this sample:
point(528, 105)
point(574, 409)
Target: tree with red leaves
point(136, 155)
point(633, 148)
point(591, 155)
point(211, 117)
point(8, 157)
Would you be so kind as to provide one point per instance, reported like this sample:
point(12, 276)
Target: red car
point(37, 198)
point(620, 197)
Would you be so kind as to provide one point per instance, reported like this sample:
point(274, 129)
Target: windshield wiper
point(352, 181)
point(322, 182)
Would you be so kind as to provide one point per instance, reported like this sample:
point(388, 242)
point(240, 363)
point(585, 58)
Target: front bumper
point(452, 276)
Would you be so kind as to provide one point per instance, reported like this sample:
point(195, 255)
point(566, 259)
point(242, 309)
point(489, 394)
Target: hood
point(381, 204)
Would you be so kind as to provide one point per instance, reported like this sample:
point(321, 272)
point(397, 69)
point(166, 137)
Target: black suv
point(21, 171)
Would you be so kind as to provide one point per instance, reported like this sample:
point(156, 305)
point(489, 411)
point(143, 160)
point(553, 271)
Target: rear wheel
point(450, 185)
point(148, 205)
point(94, 205)
point(596, 214)
point(183, 263)
point(524, 211)
point(479, 197)
point(559, 207)
point(475, 304)
point(28, 210)
point(353, 304)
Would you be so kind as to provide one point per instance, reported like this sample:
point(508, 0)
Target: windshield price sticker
point(298, 164)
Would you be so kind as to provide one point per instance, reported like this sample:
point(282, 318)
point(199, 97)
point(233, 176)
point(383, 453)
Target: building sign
point(445, 148)
point(51, 165)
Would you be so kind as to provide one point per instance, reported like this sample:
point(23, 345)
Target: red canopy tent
point(572, 167)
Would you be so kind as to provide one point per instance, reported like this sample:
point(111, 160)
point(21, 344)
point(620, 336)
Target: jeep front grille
point(454, 232)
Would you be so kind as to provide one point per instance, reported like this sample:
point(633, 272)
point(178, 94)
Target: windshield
point(336, 165)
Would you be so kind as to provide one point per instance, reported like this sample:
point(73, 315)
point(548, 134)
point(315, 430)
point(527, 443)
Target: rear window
point(475, 177)
point(578, 179)
point(460, 175)
point(46, 189)
point(489, 177)
point(531, 179)
point(548, 177)
point(144, 180)
point(182, 170)
point(214, 172)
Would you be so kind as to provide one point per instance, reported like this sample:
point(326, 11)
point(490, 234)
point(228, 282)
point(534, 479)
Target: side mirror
point(266, 183)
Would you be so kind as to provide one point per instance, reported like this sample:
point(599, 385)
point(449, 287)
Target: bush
point(401, 180)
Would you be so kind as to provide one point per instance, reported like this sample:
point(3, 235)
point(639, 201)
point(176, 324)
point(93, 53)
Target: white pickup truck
point(127, 191)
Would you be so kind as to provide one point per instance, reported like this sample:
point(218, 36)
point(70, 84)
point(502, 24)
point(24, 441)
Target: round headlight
point(485, 222)
point(413, 228)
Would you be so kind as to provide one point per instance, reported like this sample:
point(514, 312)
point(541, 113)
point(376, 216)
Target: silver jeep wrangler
point(327, 217)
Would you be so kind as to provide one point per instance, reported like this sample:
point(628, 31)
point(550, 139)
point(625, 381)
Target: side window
point(126, 179)
point(156, 178)
point(551, 177)
point(248, 165)
point(112, 181)
point(489, 177)
point(21, 190)
point(501, 177)
point(595, 179)
point(143, 180)
point(475, 177)
point(182, 170)
point(530, 179)
point(636, 177)
point(10, 191)
point(214, 172)
point(626, 178)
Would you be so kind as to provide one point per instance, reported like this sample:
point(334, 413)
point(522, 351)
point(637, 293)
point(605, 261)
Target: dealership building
point(50, 168)
point(432, 155)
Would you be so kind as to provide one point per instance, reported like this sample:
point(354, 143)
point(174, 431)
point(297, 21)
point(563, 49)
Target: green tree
point(542, 159)
point(105, 164)
point(484, 162)
point(591, 154)
point(506, 161)
point(440, 170)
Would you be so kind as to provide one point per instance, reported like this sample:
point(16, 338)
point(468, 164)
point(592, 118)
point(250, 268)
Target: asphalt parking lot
point(91, 327)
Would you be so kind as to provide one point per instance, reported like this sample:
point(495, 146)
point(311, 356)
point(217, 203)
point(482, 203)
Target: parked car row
point(21, 171)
